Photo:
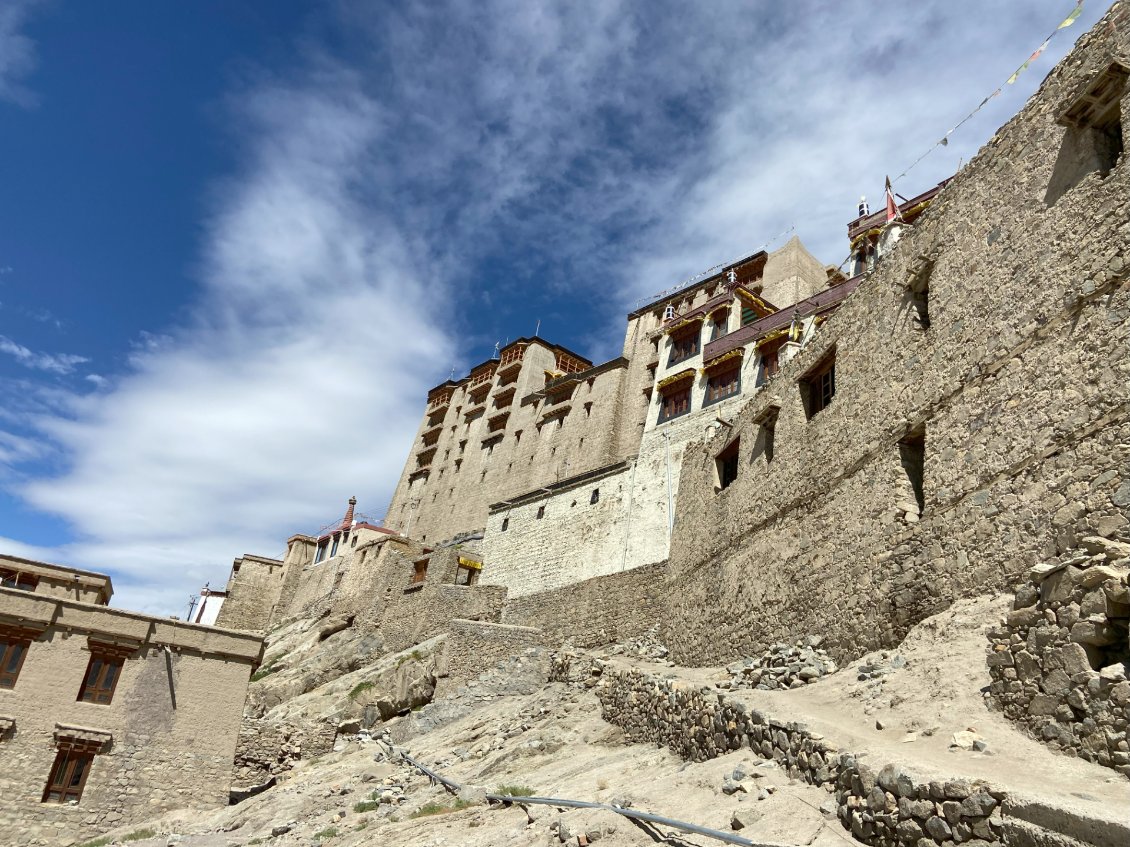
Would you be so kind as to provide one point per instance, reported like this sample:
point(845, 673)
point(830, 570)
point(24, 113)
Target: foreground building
point(107, 716)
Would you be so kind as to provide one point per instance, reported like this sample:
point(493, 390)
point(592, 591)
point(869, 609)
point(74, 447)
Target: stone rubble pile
point(782, 666)
point(647, 646)
point(1060, 659)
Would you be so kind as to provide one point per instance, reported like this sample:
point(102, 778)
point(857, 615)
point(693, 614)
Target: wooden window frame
point(103, 657)
point(685, 346)
point(726, 465)
point(819, 386)
point(715, 384)
point(671, 398)
point(419, 571)
point(18, 579)
point(61, 779)
point(12, 648)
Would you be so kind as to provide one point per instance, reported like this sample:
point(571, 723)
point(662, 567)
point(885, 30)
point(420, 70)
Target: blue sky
point(239, 240)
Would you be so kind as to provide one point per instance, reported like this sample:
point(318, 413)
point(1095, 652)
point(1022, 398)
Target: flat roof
point(452, 383)
point(62, 571)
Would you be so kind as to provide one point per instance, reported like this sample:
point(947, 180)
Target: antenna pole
point(537, 329)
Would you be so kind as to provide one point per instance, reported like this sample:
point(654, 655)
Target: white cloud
point(17, 53)
point(56, 363)
point(297, 383)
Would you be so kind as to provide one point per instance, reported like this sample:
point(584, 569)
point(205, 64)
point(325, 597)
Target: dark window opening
point(323, 546)
point(333, 549)
point(541, 512)
point(419, 571)
point(717, 328)
point(912, 457)
point(766, 434)
point(505, 524)
point(722, 385)
point(675, 403)
point(1092, 139)
point(68, 776)
point(919, 293)
point(726, 465)
point(769, 365)
point(12, 654)
point(16, 579)
point(595, 496)
point(353, 542)
point(683, 347)
point(102, 674)
point(819, 387)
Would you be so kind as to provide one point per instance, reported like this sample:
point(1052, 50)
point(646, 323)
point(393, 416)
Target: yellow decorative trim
point(697, 319)
point(679, 377)
point(471, 563)
point(736, 353)
point(773, 336)
point(754, 300)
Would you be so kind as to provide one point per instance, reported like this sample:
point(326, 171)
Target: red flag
point(892, 206)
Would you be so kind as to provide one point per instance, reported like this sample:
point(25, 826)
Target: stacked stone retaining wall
point(267, 748)
point(1060, 659)
point(880, 805)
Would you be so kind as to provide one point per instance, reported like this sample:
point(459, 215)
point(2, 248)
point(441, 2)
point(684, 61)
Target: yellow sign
point(470, 563)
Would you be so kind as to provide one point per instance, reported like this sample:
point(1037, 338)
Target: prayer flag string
point(945, 139)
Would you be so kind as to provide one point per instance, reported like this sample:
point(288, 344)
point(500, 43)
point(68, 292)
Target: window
point(323, 546)
point(912, 457)
point(333, 549)
point(726, 465)
point(541, 512)
point(68, 776)
point(819, 387)
point(595, 496)
point(717, 328)
point(748, 315)
point(13, 651)
point(16, 579)
point(722, 385)
point(675, 403)
point(766, 434)
point(505, 524)
point(1092, 140)
point(420, 571)
point(919, 292)
point(769, 365)
point(683, 347)
point(102, 674)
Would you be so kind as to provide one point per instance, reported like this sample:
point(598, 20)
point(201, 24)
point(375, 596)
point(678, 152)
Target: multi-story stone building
point(107, 716)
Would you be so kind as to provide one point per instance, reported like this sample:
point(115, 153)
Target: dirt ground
point(553, 742)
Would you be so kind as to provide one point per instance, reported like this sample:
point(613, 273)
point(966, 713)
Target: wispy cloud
point(295, 384)
point(597, 151)
point(57, 363)
point(17, 51)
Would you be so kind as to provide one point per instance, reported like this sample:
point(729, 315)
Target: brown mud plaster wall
point(474, 646)
point(1019, 387)
point(880, 804)
point(602, 610)
point(1059, 661)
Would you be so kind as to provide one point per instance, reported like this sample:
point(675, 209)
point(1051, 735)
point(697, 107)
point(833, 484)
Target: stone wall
point(1019, 390)
point(1059, 661)
point(267, 748)
point(603, 610)
point(253, 588)
point(474, 646)
point(879, 804)
point(420, 615)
